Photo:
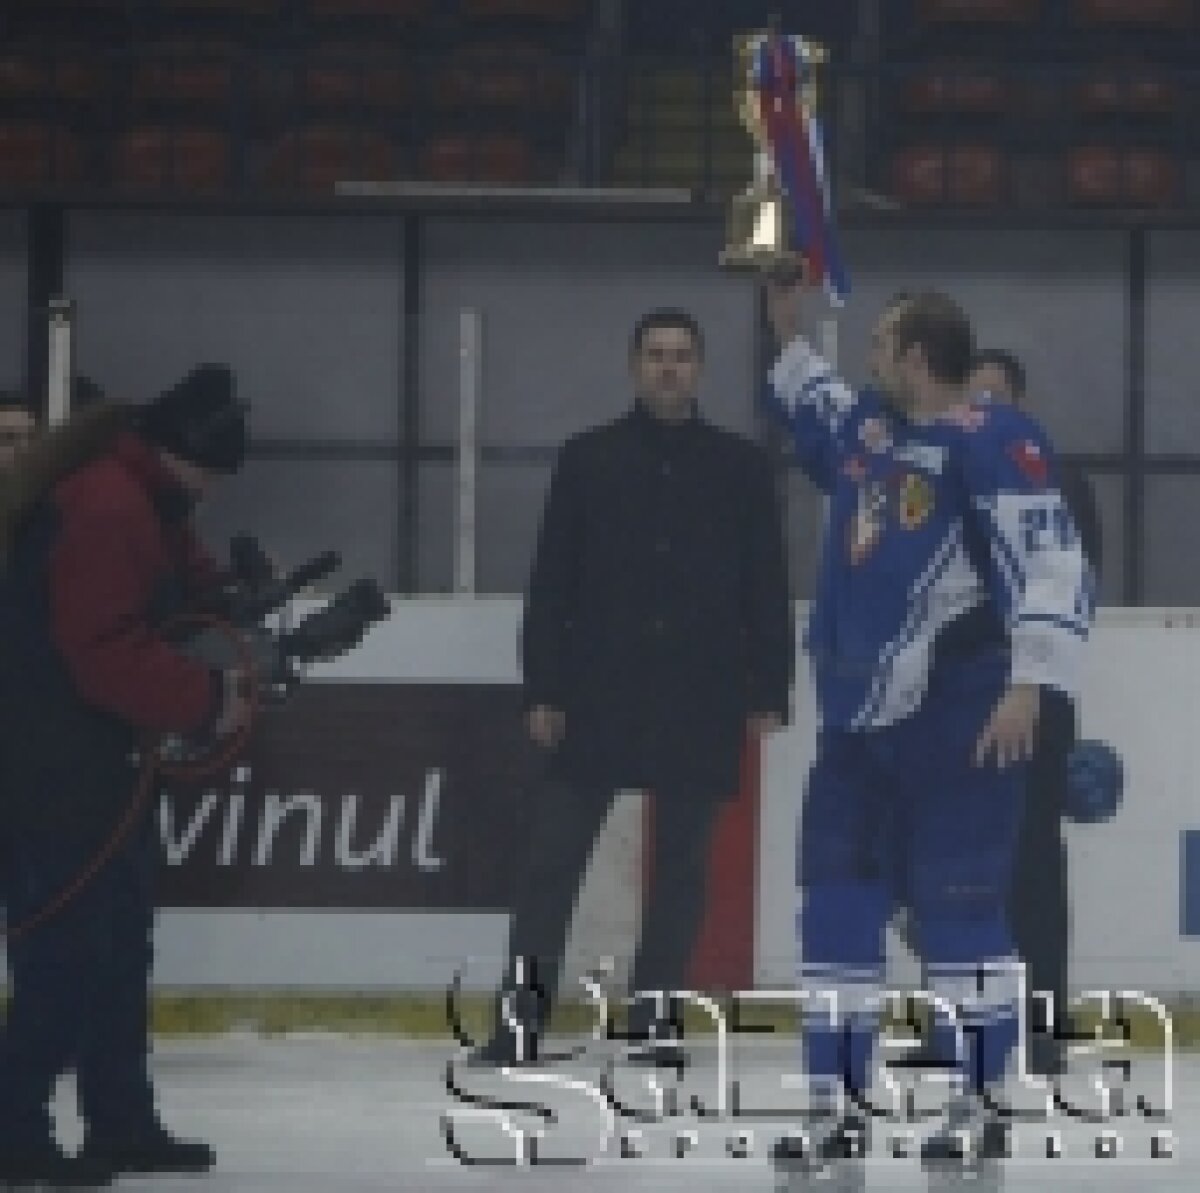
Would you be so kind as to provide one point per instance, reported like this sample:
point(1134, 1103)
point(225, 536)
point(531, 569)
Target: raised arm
point(805, 395)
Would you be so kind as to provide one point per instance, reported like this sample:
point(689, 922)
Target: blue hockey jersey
point(928, 521)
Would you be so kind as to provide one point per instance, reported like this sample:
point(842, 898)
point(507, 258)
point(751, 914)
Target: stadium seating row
point(189, 159)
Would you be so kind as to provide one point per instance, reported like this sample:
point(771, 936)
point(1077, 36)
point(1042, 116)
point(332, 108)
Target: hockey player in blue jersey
point(952, 588)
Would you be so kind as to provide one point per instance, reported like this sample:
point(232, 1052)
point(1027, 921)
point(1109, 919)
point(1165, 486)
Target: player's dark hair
point(938, 326)
point(1007, 363)
point(672, 317)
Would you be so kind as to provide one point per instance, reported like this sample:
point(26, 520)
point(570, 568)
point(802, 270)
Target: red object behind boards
point(723, 955)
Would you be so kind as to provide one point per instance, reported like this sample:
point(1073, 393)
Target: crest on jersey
point(916, 500)
point(1030, 461)
point(875, 435)
point(866, 527)
point(855, 469)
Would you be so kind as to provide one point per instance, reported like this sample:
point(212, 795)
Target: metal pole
point(1135, 419)
point(409, 397)
point(470, 379)
point(59, 369)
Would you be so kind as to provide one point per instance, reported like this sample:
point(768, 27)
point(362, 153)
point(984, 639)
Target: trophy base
point(764, 262)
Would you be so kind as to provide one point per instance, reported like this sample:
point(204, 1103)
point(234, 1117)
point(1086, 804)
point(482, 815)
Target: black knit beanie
point(199, 419)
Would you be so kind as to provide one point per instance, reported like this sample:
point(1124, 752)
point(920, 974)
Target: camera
point(254, 604)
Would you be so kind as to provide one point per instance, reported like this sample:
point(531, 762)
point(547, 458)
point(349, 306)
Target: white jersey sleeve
point(1039, 576)
point(815, 406)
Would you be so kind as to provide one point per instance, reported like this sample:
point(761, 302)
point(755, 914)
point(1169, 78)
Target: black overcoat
point(657, 615)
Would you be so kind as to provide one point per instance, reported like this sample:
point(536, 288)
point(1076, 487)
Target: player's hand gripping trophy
point(781, 225)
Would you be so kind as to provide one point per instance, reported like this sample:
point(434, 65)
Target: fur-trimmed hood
point(53, 455)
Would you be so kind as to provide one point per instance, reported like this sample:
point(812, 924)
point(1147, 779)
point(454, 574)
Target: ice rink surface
point(315, 1114)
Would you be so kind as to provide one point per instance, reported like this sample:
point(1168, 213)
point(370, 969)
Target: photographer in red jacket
point(97, 547)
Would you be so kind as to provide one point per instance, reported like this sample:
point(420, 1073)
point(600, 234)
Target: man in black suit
point(1040, 910)
point(657, 633)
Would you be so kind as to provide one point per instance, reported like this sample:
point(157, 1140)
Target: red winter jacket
point(113, 555)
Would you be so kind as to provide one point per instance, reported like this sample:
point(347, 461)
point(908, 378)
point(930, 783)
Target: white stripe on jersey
point(948, 588)
point(1049, 591)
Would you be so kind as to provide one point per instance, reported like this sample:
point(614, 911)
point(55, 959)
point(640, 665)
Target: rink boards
point(381, 854)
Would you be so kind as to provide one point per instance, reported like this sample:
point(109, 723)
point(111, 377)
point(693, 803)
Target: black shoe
point(156, 1150)
point(501, 1052)
point(45, 1164)
point(793, 1151)
point(848, 1140)
point(659, 1054)
point(497, 1053)
point(987, 1137)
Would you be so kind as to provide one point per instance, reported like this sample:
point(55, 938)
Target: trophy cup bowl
point(761, 228)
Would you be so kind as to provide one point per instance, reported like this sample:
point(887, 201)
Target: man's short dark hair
point(672, 317)
point(1007, 363)
point(940, 328)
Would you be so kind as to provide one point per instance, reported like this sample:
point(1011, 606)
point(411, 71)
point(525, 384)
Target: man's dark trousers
point(79, 985)
point(1040, 909)
point(563, 825)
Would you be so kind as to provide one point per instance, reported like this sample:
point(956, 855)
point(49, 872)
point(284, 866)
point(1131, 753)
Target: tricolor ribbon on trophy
point(787, 214)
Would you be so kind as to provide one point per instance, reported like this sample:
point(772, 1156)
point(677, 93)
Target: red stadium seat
point(1094, 175)
point(81, 78)
point(113, 6)
point(402, 10)
point(248, 8)
point(174, 158)
point(352, 74)
point(1101, 174)
point(1151, 178)
point(186, 71)
point(40, 70)
point(23, 76)
point(498, 159)
point(978, 12)
point(564, 11)
point(1130, 91)
point(319, 156)
point(952, 88)
point(33, 154)
point(958, 174)
point(1145, 14)
point(503, 74)
point(919, 175)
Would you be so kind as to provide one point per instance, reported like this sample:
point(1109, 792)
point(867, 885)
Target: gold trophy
point(762, 219)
